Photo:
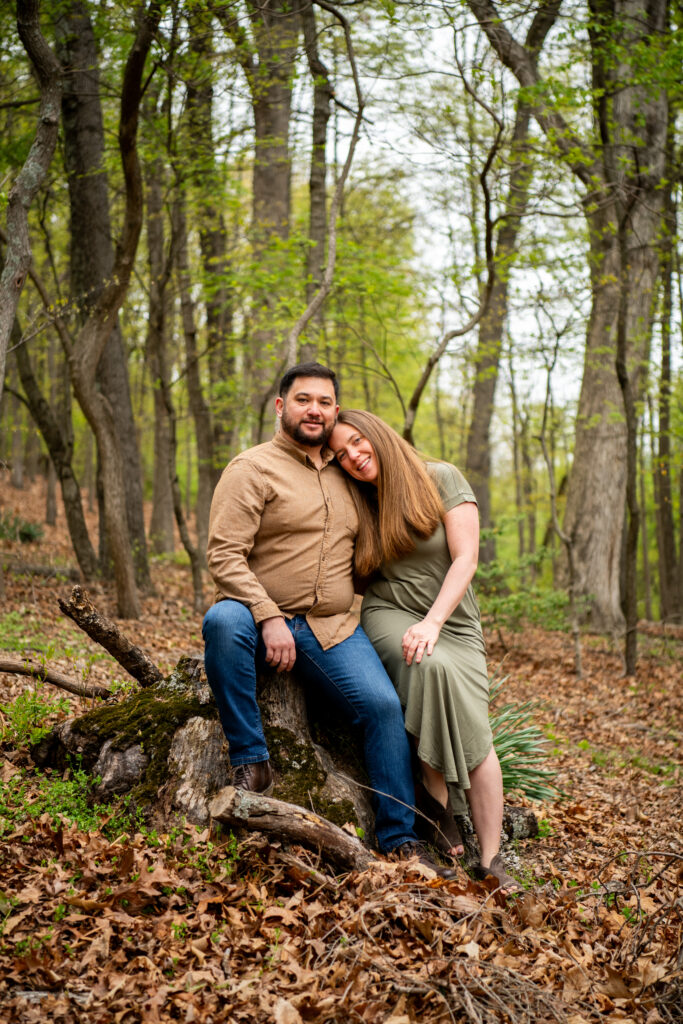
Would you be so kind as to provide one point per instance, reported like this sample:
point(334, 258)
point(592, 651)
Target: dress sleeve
point(451, 484)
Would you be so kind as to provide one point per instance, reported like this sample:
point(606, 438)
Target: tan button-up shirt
point(281, 538)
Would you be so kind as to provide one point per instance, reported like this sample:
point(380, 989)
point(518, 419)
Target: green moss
point(300, 779)
point(149, 719)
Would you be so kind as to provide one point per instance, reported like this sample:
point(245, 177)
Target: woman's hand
point(418, 640)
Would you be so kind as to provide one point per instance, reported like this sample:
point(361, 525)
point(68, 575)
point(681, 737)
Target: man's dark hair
point(308, 370)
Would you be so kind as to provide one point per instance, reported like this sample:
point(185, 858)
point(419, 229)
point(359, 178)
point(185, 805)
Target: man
point(281, 535)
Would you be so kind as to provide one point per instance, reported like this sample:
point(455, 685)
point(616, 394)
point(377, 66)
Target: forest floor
point(101, 924)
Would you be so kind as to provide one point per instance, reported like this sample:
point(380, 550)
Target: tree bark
point(209, 214)
point(106, 633)
point(624, 164)
point(60, 450)
point(671, 601)
point(237, 807)
point(267, 57)
point(85, 354)
point(161, 530)
point(91, 251)
point(491, 327)
point(201, 413)
point(48, 675)
point(33, 172)
point(317, 220)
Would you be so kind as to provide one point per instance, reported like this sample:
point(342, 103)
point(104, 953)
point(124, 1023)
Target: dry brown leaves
point(176, 930)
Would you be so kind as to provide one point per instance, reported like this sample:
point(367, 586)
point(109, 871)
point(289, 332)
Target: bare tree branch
point(326, 283)
point(519, 59)
point(106, 633)
point(49, 675)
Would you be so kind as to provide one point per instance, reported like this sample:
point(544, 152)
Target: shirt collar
point(281, 440)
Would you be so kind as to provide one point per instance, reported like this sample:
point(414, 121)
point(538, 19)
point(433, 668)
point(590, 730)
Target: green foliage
point(66, 800)
point(13, 527)
point(511, 599)
point(18, 634)
point(521, 748)
point(27, 716)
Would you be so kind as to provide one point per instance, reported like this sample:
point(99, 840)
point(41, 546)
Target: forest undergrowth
point(102, 920)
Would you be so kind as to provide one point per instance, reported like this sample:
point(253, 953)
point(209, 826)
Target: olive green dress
point(446, 696)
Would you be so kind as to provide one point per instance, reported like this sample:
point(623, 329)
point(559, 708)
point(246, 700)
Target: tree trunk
point(17, 471)
point(209, 214)
point(85, 353)
point(161, 531)
point(671, 602)
point(91, 252)
point(32, 174)
point(267, 58)
point(60, 450)
point(647, 580)
point(201, 414)
point(317, 223)
point(624, 164)
point(492, 325)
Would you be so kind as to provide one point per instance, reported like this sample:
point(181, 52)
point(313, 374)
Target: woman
point(419, 536)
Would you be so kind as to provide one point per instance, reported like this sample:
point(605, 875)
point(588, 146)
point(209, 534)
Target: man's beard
point(297, 434)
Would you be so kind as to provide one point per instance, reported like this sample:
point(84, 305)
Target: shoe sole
point(258, 792)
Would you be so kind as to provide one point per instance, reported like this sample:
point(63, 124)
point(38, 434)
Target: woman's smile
point(354, 453)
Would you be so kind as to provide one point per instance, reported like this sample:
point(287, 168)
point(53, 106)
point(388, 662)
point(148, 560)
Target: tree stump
point(164, 748)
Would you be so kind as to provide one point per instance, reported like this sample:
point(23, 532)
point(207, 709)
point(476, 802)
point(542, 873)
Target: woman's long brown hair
point(404, 504)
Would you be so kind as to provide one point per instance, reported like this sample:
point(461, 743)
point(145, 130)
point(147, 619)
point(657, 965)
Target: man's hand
point(280, 648)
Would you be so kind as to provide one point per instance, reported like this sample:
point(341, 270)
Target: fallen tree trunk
point(287, 821)
point(48, 571)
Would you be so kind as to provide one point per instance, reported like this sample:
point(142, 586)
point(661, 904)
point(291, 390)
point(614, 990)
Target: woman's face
point(354, 453)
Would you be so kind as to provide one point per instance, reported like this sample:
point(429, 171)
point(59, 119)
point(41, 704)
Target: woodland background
point(487, 201)
point(470, 211)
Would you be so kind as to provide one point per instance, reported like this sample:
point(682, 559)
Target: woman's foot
point(435, 823)
point(497, 869)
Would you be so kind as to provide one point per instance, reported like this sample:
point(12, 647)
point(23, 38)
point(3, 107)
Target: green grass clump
point(522, 748)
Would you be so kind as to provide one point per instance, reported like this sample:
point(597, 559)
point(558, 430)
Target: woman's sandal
point(497, 869)
point(435, 823)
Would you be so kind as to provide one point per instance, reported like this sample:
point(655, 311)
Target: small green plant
point(26, 716)
point(521, 748)
point(13, 527)
point(66, 800)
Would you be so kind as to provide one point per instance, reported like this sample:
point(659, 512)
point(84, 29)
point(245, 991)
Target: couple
point(287, 530)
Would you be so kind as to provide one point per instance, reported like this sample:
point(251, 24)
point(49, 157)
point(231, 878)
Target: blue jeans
point(350, 675)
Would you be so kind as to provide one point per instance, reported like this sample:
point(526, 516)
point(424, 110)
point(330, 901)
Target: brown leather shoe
point(415, 849)
point(256, 777)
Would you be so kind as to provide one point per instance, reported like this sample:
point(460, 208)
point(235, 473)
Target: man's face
point(309, 410)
